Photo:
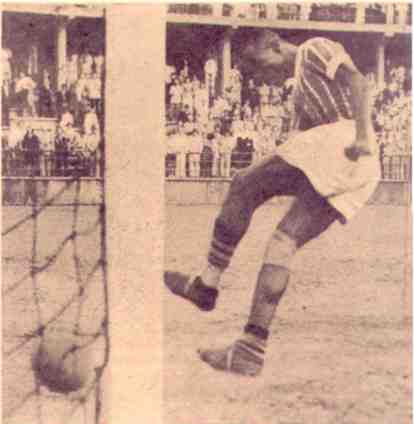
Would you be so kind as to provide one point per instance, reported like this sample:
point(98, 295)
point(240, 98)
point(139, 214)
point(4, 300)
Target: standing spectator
point(264, 93)
point(86, 64)
point(247, 111)
point(253, 94)
point(99, 62)
point(226, 145)
point(272, 11)
point(6, 69)
point(201, 102)
point(62, 98)
point(61, 153)
point(31, 147)
point(95, 92)
point(195, 149)
point(5, 103)
point(16, 135)
point(176, 94)
point(210, 74)
point(241, 10)
point(72, 69)
point(181, 143)
point(188, 99)
point(206, 158)
point(46, 98)
point(91, 129)
point(25, 92)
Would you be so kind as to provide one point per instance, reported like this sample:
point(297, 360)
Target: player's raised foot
point(194, 290)
point(240, 358)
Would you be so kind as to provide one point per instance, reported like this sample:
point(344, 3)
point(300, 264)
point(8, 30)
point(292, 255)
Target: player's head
point(267, 52)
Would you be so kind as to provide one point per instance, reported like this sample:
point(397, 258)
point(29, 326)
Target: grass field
point(340, 348)
point(339, 351)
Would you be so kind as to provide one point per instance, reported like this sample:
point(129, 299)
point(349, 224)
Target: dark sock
point(203, 296)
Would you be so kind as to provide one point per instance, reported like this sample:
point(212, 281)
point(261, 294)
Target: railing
point(196, 165)
point(225, 165)
point(25, 163)
point(396, 168)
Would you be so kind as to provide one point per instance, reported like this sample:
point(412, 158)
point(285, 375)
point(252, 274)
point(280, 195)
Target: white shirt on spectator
point(264, 92)
point(187, 96)
point(6, 64)
point(99, 64)
point(94, 87)
point(241, 10)
point(25, 83)
point(176, 93)
point(86, 64)
point(179, 143)
point(67, 120)
point(195, 144)
point(16, 135)
point(227, 144)
point(72, 67)
point(91, 123)
point(210, 68)
point(90, 142)
point(81, 85)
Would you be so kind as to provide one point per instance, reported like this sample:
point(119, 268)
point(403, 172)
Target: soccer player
point(329, 164)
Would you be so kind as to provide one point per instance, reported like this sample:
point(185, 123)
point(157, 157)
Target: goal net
point(54, 289)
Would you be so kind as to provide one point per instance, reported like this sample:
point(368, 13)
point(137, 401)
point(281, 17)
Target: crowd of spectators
point(75, 107)
point(392, 112)
point(213, 135)
point(336, 12)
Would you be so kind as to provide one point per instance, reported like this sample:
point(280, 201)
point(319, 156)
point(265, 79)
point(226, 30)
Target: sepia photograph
point(287, 236)
point(206, 213)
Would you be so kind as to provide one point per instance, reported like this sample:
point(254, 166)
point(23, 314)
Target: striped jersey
point(320, 98)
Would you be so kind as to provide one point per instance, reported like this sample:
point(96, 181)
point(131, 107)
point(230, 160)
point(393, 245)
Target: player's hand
point(358, 149)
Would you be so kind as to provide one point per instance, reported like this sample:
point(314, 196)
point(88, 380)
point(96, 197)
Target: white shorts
point(319, 153)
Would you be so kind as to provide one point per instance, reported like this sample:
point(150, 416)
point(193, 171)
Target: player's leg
point(309, 216)
point(249, 189)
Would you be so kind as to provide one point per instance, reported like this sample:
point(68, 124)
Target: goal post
point(134, 181)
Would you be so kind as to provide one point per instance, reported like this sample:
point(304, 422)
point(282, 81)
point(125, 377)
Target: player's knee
point(237, 184)
point(280, 250)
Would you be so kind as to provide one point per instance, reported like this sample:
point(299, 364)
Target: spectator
point(46, 99)
point(91, 129)
point(225, 147)
point(210, 75)
point(95, 92)
point(5, 103)
point(176, 94)
point(195, 147)
point(206, 158)
point(31, 147)
point(25, 92)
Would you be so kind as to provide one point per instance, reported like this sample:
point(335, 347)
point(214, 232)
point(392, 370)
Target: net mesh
point(54, 287)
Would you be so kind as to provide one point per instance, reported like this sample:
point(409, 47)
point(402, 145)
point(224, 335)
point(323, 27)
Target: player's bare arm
point(361, 110)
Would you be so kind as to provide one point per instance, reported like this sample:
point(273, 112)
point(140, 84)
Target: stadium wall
point(212, 191)
point(61, 191)
point(55, 191)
